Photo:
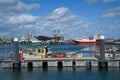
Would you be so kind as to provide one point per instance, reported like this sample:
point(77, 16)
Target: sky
point(73, 18)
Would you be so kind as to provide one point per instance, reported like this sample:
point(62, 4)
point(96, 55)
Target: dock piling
point(60, 64)
point(88, 64)
point(16, 63)
point(30, 65)
point(102, 63)
point(74, 64)
point(44, 64)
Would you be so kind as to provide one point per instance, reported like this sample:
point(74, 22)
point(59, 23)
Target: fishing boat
point(30, 39)
point(86, 40)
point(33, 41)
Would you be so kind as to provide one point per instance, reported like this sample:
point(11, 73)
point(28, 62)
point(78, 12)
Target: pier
point(65, 62)
point(42, 61)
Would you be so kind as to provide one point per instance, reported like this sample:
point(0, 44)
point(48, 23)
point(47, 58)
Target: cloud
point(104, 1)
point(92, 1)
point(17, 22)
point(13, 13)
point(61, 15)
point(11, 7)
point(111, 29)
point(8, 2)
point(111, 13)
point(58, 13)
point(20, 7)
point(22, 19)
point(67, 22)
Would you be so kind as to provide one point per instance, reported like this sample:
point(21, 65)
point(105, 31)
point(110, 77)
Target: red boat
point(86, 40)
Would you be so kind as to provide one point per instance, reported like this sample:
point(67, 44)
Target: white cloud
point(69, 24)
point(92, 1)
point(8, 2)
point(58, 13)
point(104, 1)
point(15, 6)
point(111, 29)
point(62, 19)
point(61, 14)
point(23, 19)
point(10, 8)
point(23, 7)
point(111, 13)
point(14, 15)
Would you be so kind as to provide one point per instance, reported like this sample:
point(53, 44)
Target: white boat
point(34, 41)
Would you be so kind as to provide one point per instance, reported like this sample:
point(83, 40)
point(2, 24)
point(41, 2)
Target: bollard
point(16, 63)
point(102, 48)
point(16, 50)
point(102, 62)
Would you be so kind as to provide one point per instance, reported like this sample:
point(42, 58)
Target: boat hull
point(86, 42)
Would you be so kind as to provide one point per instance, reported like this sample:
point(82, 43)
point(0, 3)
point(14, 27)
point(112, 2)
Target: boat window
point(90, 38)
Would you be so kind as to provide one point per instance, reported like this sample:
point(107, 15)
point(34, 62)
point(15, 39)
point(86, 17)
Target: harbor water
point(65, 73)
point(55, 73)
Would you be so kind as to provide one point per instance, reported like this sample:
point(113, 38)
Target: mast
point(55, 35)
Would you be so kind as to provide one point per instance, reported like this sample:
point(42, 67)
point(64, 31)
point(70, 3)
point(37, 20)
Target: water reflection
point(13, 74)
point(30, 69)
point(64, 73)
point(60, 69)
point(45, 69)
point(103, 73)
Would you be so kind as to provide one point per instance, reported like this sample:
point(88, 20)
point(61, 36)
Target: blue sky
point(73, 18)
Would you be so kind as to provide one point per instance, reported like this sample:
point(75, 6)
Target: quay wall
point(81, 63)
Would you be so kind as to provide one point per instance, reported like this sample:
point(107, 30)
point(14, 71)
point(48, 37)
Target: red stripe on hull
point(86, 43)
